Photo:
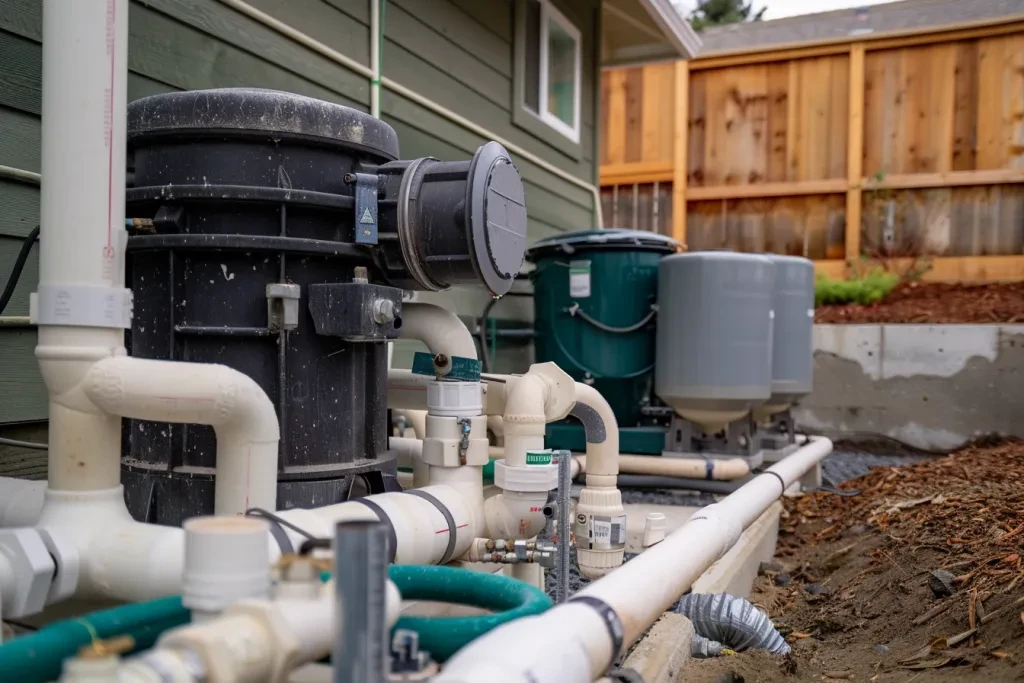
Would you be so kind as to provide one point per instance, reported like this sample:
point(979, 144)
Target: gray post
point(360, 575)
point(564, 533)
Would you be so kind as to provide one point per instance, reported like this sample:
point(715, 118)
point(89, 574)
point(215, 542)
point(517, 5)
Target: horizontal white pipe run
point(438, 328)
point(572, 643)
point(242, 416)
point(21, 501)
point(685, 468)
point(349, 63)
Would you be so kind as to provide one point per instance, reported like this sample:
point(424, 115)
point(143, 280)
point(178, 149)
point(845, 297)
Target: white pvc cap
point(654, 528)
point(455, 399)
point(226, 559)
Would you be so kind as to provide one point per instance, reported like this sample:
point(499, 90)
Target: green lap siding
point(457, 52)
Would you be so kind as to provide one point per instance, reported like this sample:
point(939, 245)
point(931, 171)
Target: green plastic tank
point(594, 313)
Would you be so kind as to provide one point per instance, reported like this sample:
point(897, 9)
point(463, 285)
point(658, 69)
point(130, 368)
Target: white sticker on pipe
point(602, 529)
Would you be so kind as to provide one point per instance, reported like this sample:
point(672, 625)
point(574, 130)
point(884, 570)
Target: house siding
point(457, 52)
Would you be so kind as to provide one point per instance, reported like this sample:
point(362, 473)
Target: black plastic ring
point(611, 621)
point(384, 519)
point(450, 550)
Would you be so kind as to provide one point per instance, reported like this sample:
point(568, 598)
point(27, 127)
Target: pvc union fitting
point(226, 559)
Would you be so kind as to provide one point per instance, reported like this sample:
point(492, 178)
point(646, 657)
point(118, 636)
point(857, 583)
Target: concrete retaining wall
point(933, 386)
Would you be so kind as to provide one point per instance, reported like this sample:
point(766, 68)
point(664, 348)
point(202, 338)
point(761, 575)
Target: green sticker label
point(538, 457)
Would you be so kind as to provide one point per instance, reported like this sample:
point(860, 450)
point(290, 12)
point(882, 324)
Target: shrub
point(868, 288)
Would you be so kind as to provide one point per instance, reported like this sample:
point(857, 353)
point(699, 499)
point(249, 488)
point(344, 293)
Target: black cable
point(260, 512)
point(19, 265)
point(311, 544)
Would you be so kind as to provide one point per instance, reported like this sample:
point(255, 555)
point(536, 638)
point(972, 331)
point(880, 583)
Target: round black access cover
point(497, 217)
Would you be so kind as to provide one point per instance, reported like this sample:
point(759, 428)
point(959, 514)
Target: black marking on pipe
point(384, 519)
point(778, 476)
point(450, 550)
point(593, 425)
point(609, 616)
point(709, 469)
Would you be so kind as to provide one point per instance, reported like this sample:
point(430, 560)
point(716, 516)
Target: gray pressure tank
point(714, 342)
point(792, 345)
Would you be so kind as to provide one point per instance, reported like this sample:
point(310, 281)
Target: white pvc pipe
point(349, 63)
point(438, 328)
point(242, 416)
point(602, 448)
point(686, 468)
point(421, 530)
point(524, 419)
point(572, 643)
point(255, 640)
point(81, 252)
point(600, 498)
point(376, 36)
point(21, 501)
point(119, 559)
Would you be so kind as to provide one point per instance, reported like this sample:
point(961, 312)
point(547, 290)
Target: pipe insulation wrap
point(722, 620)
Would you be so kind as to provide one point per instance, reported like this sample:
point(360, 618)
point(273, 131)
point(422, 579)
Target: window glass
point(561, 73)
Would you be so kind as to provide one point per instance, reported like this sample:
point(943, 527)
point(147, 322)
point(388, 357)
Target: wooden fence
point(887, 148)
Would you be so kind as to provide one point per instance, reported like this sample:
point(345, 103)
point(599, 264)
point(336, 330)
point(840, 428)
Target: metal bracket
point(563, 536)
point(283, 306)
point(366, 206)
point(466, 425)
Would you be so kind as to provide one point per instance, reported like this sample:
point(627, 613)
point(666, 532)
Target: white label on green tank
point(579, 279)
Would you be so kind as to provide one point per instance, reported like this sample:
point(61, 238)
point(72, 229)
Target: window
point(549, 61)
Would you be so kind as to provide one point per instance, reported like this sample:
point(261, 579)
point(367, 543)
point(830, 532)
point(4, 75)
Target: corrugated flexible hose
point(725, 622)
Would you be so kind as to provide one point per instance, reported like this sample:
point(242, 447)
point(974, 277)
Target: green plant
point(863, 288)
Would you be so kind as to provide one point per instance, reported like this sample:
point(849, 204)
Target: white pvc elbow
point(438, 328)
point(236, 407)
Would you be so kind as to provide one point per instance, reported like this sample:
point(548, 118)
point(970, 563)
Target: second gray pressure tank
point(792, 346)
point(714, 341)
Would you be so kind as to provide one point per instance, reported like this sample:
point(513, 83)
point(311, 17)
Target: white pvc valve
point(455, 399)
point(226, 559)
point(654, 529)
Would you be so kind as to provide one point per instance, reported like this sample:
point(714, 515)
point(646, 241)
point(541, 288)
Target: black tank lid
point(593, 240)
point(231, 110)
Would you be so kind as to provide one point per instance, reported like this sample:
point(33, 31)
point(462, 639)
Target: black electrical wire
point(260, 512)
point(311, 544)
point(19, 265)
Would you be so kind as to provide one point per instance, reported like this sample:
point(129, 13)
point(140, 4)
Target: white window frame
point(550, 12)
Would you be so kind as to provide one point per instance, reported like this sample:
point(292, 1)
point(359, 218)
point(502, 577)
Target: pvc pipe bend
point(441, 330)
point(241, 414)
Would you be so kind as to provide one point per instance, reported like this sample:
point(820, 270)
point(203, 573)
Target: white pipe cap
point(226, 559)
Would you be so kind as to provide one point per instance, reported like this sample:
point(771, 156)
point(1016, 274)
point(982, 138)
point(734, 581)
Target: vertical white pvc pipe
point(376, 31)
point(81, 273)
point(85, 71)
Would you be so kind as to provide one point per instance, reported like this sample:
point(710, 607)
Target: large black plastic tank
point(258, 197)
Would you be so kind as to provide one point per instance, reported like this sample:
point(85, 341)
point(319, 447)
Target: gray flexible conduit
point(724, 621)
point(576, 311)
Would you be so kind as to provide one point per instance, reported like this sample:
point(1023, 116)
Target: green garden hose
point(508, 600)
point(39, 657)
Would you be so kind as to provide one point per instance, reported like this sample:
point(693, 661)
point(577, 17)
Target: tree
point(718, 12)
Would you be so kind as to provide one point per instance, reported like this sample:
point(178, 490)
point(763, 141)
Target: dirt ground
point(934, 302)
point(851, 586)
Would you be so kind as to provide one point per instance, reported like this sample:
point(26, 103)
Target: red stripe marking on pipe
point(111, 45)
